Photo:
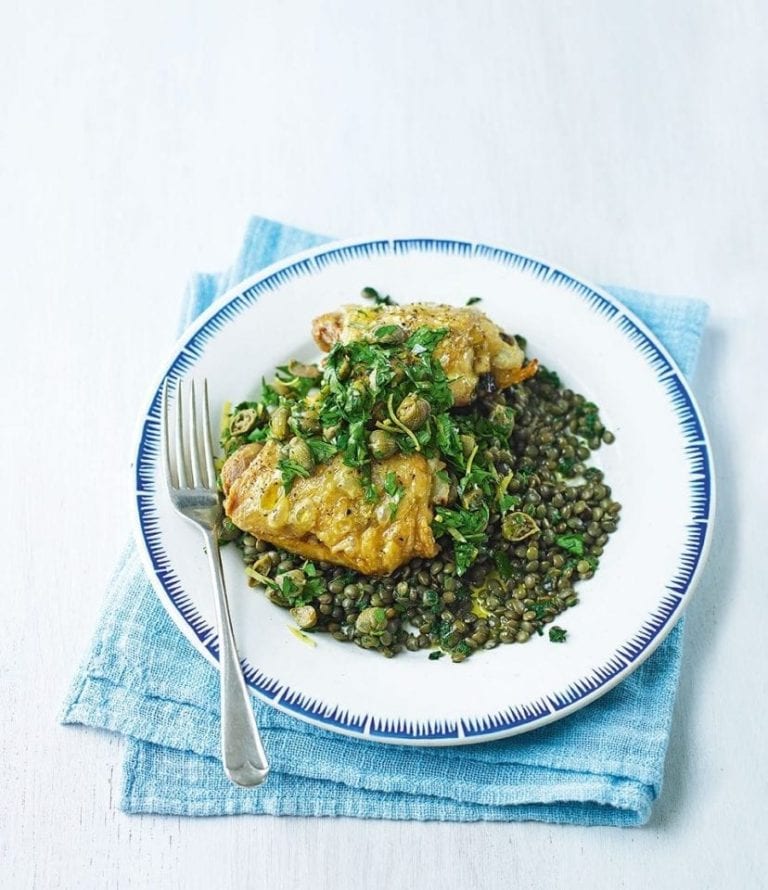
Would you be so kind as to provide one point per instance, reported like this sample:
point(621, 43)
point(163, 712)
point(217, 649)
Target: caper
point(381, 444)
point(518, 526)
point(263, 564)
point(282, 388)
point(390, 335)
point(300, 453)
point(413, 411)
point(294, 580)
point(228, 531)
point(344, 368)
point(243, 422)
point(308, 421)
point(278, 423)
point(304, 616)
point(503, 418)
point(308, 372)
point(472, 498)
point(372, 620)
point(468, 444)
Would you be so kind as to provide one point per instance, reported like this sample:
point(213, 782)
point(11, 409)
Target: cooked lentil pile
point(524, 518)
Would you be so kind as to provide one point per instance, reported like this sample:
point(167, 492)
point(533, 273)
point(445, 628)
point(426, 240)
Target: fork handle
point(242, 751)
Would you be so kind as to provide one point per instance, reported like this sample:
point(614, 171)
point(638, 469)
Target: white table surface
point(625, 141)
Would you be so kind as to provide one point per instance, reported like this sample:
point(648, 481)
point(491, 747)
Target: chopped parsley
point(503, 564)
point(557, 634)
point(385, 331)
point(290, 471)
point(395, 491)
point(467, 529)
point(370, 293)
point(540, 608)
point(571, 543)
point(508, 501)
point(269, 396)
point(321, 450)
point(285, 378)
point(549, 377)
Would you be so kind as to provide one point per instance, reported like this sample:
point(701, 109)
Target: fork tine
point(194, 434)
point(181, 464)
point(207, 438)
point(170, 478)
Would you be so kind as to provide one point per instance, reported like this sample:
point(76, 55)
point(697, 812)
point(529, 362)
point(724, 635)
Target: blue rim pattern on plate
point(511, 719)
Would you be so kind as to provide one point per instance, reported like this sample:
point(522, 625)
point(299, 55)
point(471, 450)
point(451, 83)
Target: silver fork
point(191, 480)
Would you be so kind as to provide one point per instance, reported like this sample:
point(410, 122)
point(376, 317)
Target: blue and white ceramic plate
point(659, 468)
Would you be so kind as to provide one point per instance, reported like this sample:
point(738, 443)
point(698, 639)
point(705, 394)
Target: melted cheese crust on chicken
point(472, 346)
point(326, 516)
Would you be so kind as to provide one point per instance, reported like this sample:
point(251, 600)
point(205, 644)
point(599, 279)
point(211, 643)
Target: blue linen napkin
point(600, 766)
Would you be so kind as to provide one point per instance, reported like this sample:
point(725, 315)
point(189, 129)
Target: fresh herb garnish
point(370, 293)
point(321, 450)
point(571, 543)
point(540, 608)
point(290, 471)
point(268, 395)
point(549, 377)
point(473, 300)
point(299, 386)
point(396, 492)
point(508, 501)
point(385, 331)
point(467, 529)
point(447, 437)
point(503, 564)
point(424, 339)
point(557, 634)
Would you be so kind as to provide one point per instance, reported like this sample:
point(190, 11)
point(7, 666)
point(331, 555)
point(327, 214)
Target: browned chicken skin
point(473, 345)
point(326, 516)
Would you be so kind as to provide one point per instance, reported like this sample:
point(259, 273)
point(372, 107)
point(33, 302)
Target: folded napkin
point(600, 766)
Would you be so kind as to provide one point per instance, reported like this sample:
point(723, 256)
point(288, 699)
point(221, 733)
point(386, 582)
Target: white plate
point(659, 468)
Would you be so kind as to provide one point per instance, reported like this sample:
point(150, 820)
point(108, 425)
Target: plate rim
point(487, 729)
